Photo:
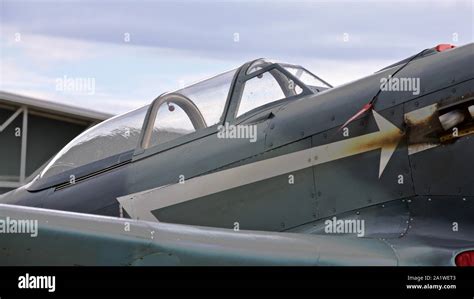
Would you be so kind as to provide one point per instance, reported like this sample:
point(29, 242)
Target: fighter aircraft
point(267, 164)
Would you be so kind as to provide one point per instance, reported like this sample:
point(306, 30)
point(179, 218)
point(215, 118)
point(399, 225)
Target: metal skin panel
point(389, 220)
point(285, 201)
point(192, 159)
point(421, 230)
point(66, 238)
point(439, 228)
point(353, 182)
point(331, 108)
point(448, 95)
point(81, 196)
point(140, 205)
point(445, 169)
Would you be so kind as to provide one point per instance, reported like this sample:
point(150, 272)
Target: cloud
point(305, 29)
point(125, 77)
point(337, 72)
point(173, 42)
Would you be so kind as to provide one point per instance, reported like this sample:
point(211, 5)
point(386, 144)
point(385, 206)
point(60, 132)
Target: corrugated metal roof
point(52, 107)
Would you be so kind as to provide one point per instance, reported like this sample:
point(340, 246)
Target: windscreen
point(307, 78)
point(111, 137)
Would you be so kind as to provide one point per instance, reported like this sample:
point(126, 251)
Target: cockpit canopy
point(229, 96)
point(310, 80)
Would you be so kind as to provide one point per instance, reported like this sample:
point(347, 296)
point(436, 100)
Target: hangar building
point(32, 131)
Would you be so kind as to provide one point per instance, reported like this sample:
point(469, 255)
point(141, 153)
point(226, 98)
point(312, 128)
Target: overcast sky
point(135, 50)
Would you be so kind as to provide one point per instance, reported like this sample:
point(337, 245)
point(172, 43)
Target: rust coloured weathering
point(433, 125)
point(423, 125)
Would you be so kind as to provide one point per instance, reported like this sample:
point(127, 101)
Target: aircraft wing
point(65, 238)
